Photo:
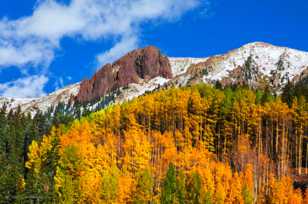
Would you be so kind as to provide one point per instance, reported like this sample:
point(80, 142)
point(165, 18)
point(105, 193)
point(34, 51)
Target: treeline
point(17, 131)
point(182, 145)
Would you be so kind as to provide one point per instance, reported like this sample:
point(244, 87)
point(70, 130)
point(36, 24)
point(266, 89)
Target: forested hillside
point(17, 131)
point(196, 144)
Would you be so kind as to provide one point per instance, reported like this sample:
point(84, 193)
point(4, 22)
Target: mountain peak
point(135, 67)
point(258, 44)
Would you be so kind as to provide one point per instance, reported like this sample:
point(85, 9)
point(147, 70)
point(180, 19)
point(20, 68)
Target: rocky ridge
point(136, 67)
point(257, 65)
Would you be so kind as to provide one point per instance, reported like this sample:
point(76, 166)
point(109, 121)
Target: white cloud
point(36, 52)
point(119, 49)
point(28, 87)
point(33, 39)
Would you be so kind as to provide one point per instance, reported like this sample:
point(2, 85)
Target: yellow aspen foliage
point(305, 200)
point(207, 180)
point(247, 177)
point(38, 153)
point(235, 190)
point(222, 177)
point(248, 184)
point(21, 184)
point(137, 151)
point(296, 197)
point(220, 194)
point(281, 190)
point(125, 189)
point(223, 146)
point(167, 143)
point(80, 133)
point(34, 161)
point(106, 155)
point(90, 186)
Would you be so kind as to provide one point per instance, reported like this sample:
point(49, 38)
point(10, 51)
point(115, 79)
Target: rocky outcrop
point(300, 77)
point(138, 65)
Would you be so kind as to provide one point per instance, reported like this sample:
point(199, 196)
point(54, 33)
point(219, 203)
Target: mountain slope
point(251, 64)
point(32, 105)
point(216, 142)
point(258, 65)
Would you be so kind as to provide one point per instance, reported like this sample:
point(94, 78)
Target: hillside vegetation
point(182, 145)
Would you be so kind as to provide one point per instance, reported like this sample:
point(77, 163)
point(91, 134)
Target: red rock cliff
point(139, 64)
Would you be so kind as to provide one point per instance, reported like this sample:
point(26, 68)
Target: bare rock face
point(138, 65)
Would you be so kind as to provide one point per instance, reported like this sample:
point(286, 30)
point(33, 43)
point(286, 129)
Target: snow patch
point(134, 90)
point(179, 65)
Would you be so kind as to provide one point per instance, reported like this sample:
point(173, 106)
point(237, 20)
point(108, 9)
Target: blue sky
point(47, 44)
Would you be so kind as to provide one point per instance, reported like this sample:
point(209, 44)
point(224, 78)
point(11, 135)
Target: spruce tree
point(169, 189)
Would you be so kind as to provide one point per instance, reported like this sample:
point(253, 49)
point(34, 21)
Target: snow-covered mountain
point(31, 105)
point(256, 64)
point(267, 58)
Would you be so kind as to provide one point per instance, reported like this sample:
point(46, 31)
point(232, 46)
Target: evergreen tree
point(169, 189)
point(181, 187)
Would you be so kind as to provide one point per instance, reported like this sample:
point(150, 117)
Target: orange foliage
point(197, 129)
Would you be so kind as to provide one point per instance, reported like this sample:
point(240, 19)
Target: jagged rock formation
point(135, 67)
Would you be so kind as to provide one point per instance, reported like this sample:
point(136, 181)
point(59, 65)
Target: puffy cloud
point(18, 55)
point(119, 49)
point(28, 87)
point(33, 39)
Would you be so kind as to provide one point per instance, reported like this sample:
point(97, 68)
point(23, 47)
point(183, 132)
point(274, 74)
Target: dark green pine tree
point(288, 93)
point(11, 153)
point(169, 189)
point(181, 187)
point(3, 132)
point(267, 96)
point(249, 70)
